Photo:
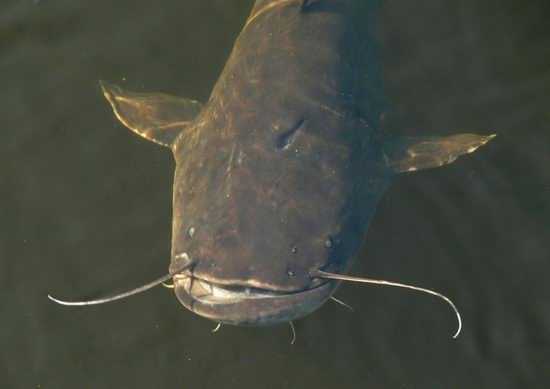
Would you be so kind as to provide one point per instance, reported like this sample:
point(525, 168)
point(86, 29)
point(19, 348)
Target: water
point(85, 206)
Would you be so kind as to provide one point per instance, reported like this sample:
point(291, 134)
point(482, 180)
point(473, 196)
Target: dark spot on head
point(286, 139)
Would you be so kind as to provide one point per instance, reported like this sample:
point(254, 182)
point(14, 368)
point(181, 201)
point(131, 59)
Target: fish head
point(258, 214)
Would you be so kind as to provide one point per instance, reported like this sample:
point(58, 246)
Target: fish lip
point(246, 288)
point(259, 286)
point(261, 307)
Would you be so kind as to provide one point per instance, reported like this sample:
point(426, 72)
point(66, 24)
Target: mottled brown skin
point(283, 162)
point(279, 173)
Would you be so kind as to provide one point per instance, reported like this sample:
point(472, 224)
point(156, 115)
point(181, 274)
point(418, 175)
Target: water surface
point(85, 206)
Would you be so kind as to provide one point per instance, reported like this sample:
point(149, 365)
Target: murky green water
point(85, 206)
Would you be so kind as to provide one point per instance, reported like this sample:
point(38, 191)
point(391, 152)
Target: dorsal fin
point(155, 116)
point(408, 154)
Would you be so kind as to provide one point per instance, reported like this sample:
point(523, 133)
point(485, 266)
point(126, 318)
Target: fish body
point(279, 173)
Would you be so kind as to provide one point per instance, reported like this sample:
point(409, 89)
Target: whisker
point(341, 303)
point(293, 332)
point(334, 276)
point(217, 327)
point(125, 294)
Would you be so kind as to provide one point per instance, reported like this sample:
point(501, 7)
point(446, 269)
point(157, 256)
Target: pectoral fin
point(409, 154)
point(155, 116)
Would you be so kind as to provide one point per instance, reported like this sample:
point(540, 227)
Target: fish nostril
point(191, 231)
point(294, 249)
point(290, 273)
point(328, 242)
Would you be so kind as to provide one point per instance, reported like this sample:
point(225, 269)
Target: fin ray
point(157, 117)
point(409, 154)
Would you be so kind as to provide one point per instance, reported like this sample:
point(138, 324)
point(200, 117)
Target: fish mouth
point(245, 305)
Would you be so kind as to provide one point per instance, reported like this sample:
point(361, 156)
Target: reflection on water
point(85, 205)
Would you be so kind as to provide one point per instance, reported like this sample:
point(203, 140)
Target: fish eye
point(328, 242)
